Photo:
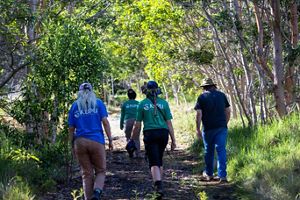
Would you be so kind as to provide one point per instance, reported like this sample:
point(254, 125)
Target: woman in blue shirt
point(86, 117)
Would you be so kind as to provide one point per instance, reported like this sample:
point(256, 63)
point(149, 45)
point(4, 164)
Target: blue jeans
point(215, 138)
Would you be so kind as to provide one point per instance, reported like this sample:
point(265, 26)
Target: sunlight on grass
point(266, 159)
point(184, 123)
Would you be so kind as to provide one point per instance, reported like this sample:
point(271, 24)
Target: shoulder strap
point(159, 110)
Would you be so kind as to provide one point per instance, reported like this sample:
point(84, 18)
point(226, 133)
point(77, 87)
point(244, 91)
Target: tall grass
point(184, 123)
point(266, 159)
point(263, 161)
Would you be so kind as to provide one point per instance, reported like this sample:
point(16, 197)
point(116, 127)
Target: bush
point(16, 189)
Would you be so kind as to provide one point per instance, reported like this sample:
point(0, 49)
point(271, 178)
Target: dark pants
point(155, 141)
point(128, 129)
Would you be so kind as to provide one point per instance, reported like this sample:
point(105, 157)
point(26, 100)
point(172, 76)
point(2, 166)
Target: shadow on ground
point(131, 179)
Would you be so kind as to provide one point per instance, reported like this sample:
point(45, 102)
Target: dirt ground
point(131, 179)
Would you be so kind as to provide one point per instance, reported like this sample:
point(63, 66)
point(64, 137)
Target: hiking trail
point(128, 178)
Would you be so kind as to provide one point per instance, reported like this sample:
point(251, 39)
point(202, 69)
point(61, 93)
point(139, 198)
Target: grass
point(263, 161)
point(266, 159)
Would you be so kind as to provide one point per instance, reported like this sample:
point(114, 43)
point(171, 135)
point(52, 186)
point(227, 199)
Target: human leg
point(209, 150)
point(128, 128)
point(81, 150)
point(138, 146)
point(220, 140)
point(98, 157)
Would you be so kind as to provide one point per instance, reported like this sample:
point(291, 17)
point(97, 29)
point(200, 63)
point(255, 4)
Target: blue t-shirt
point(88, 125)
point(212, 104)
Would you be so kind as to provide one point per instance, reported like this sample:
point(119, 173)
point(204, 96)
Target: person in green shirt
point(128, 116)
point(156, 116)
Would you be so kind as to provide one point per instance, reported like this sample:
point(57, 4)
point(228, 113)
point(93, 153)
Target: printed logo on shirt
point(132, 105)
point(151, 106)
point(90, 111)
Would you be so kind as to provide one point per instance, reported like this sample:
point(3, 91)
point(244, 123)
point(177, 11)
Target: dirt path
point(131, 179)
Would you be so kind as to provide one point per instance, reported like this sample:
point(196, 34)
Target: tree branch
point(9, 75)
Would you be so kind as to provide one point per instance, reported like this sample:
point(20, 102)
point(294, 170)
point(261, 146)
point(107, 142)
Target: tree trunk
point(230, 67)
point(166, 92)
point(54, 121)
point(290, 73)
point(278, 70)
point(31, 124)
point(262, 60)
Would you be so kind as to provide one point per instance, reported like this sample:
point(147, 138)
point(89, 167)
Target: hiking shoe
point(205, 177)
point(97, 194)
point(158, 189)
point(223, 180)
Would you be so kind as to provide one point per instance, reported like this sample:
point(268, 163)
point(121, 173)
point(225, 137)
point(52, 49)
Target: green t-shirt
point(152, 120)
point(128, 110)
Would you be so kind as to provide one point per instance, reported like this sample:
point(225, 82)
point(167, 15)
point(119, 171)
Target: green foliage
point(202, 195)
point(40, 167)
point(16, 189)
point(21, 155)
point(77, 194)
point(266, 159)
point(201, 57)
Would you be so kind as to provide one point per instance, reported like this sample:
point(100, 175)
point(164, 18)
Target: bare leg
point(156, 173)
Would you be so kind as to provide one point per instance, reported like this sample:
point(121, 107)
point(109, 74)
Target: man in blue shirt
point(86, 117)
point(213, 110)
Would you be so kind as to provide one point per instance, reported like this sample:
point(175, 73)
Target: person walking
point(156, 116)
point(86, 117)
point(213, 110)
point(128, 115)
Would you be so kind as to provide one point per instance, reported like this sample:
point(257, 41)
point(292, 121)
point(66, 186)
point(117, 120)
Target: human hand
point(173, 145)
point(110, 145)
point(121, 127)
point(199, 134)
point(73, 152)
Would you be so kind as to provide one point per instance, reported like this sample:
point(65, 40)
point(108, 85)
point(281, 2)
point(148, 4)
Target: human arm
point(106, 127)
point(227, 114)
point(171, 131)
point(122, 117)
point(71, 138)
point(136, 130)
point(198, 123)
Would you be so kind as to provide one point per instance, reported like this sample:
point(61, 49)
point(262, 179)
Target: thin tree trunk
point(166, 92)
point(278, 70)
point(54, 121)
point(249, 80)
point(262, 60)
point(290, 73)
point(174, 90)
point(221, 48)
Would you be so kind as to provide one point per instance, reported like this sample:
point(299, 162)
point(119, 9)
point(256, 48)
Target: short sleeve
point(168, 112)
point(71, 118)
point(226, 102)
point(198, 105)
point(139, 114)
point(102, 109)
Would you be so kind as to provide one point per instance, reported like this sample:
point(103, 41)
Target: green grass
point(266, 160)
point(184, 123)
point(263, 161)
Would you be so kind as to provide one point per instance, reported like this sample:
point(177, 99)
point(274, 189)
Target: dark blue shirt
point(88, 125)
point(212, 104)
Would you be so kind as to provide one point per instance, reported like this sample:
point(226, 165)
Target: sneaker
point(223, 180)
point(158, 189)
point(205, 177)
point(97, 194)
